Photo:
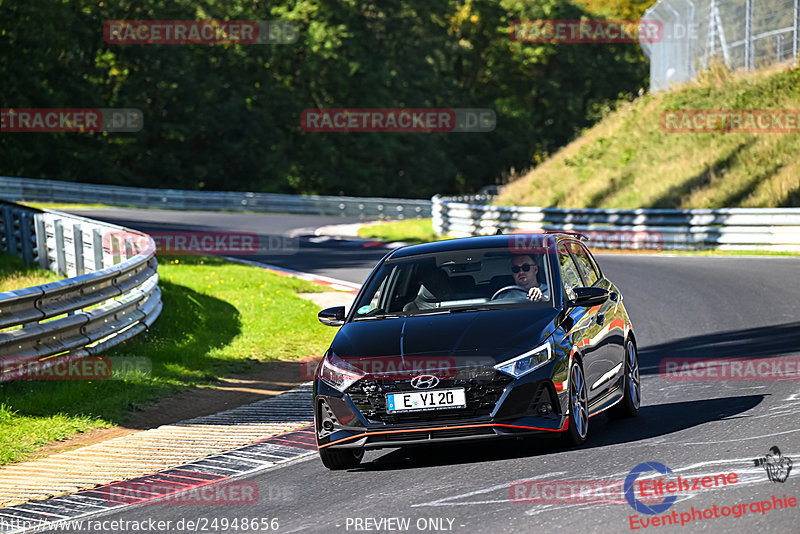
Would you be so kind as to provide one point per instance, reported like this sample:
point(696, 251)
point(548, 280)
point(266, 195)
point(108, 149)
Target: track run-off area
point(682, 307)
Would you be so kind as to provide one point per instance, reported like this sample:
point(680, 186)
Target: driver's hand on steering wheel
point(536, 295)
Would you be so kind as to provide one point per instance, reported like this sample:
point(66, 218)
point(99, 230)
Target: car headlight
point(339, 374)
point(525, 363)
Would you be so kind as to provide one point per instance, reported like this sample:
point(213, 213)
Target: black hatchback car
point(474, 338)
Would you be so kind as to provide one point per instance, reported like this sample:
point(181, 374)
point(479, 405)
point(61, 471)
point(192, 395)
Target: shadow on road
point(652, 421)
point(760, 342)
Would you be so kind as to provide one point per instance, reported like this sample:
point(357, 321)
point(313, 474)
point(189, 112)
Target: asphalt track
point(680, 306)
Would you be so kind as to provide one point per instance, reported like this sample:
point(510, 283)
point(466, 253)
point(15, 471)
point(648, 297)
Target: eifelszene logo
point(667, 486)
point(777, 466)
point(630, 494)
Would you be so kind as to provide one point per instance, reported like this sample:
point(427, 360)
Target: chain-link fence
point(747, 35)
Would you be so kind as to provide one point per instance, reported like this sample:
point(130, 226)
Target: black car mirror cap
point(332, 316)
point(589, 296)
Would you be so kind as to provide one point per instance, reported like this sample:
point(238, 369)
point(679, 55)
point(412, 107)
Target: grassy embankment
point(218, 317)
point(628, 161)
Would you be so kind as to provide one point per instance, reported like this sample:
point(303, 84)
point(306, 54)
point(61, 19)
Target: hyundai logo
point(424, 382)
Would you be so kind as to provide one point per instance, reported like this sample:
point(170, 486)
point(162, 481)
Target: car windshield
point(455, 281)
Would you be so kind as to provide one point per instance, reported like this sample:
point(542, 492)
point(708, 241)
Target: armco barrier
point(35, 190)
point(112, 294)
point(724, 229)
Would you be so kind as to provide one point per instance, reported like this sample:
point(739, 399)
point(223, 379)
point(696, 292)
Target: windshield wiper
point(380, 316)
point(472, 309)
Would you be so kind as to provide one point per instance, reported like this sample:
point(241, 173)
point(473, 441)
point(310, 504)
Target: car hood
point(490, 336)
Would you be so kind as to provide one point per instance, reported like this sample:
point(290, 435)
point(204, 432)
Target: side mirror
point(332, 316)
point(589, 296)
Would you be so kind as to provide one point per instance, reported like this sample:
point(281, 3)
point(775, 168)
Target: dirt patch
point(265, 379)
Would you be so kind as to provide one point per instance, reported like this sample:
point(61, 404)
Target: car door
point(608, 323)
point(586, 330)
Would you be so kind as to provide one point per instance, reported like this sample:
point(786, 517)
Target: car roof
point(509, 242)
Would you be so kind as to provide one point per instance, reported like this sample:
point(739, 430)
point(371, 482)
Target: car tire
point(632, 388)
point(578, 422)
point(336, 460)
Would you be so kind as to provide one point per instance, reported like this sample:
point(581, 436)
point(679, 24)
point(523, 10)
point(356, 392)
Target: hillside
point(628, 161)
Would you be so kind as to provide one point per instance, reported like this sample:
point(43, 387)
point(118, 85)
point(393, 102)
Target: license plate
point(417, 401)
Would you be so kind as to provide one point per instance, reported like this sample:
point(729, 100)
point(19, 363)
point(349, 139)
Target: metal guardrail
point(35, 190)
point(697, 229)
point(112, 294)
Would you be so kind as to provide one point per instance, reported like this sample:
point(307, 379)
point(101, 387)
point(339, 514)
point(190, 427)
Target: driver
point(524, 270)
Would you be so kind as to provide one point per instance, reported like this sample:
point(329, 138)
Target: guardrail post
point(796, 40)
point(25, 236)
point(115, 242)
point(41, 241)
point(61, 260)
point(129, 248)
point(97, 249)
point(8, 227)
point(77, 242)
point(748, 36)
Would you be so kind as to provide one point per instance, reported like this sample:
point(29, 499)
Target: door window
point(585, 264)
point(569, 272)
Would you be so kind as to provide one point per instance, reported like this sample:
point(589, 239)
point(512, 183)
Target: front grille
point(439, 434)
point(482, 390)
point(461, 432)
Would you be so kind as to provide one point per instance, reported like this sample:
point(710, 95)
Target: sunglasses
point(525, 267)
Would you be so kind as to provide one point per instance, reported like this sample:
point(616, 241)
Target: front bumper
point(516, 409)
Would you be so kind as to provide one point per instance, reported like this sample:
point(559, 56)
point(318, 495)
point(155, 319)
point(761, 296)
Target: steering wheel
point(509, 288)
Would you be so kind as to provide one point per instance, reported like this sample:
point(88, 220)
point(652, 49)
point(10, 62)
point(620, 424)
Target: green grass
point(218, 317)
point(627, 161)
point(22, 434)
point(63, 205)
point(16, 275)
point(408, 230)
